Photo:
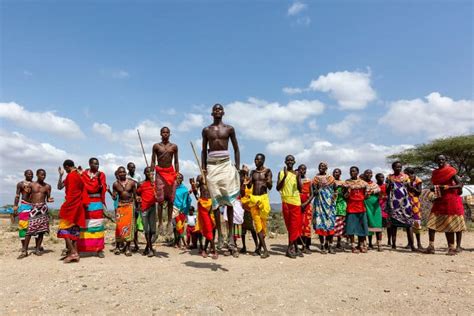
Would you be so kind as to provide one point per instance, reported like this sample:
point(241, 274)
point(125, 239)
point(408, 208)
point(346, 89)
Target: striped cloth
point(446, 223)
point(23, 217)
point(92, 236)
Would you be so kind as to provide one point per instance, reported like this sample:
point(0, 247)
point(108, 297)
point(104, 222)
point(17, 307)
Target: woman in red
point(356, 219)
point(447, 213)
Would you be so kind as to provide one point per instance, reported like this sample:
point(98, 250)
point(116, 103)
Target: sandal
point(23, 254)
point(128, 253)
point(355, 250)
point(451, 252)
point(72, 258)
point(290, 255)
point(430, 250)
point(117, 251)
point(151, 253)
point(215, 256)
point(204, 254)
point(265, 255)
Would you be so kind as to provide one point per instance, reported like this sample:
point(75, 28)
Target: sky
point(346, 82)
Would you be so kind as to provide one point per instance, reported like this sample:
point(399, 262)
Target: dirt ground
point(179, 282)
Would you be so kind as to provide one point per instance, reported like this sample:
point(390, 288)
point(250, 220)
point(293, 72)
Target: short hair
point(261, 155)
point(439, 155)
point(165, 127)
point(27, 170)
point(92, 159)
point(146, 168)
point(354, 167)
point(68, 163)
point(396, 162)
point(40, 170)
point(130, 163)
point(121, 167)
point(288, 156)
point(301, 166)
point(409, 170)
point(216, 105)
point(337, 169)
point(379, 174)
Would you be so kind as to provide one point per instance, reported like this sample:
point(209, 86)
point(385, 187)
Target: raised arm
point(281, 182)
point(17, 196)
point(60, 181)
point(235, 144)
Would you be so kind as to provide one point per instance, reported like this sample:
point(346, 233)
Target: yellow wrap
point(260, 209)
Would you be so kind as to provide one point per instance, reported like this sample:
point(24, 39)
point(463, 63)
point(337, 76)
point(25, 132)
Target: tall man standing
point(23, 191)
point(165, 155)
point(222, 176)
point(72, 213)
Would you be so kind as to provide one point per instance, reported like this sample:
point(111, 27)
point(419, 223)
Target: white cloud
point(352, 90)
point(313, 125)
point(436, 116)
point(285, 147)
point(149, 131)
point(27, 73)
point(18, 153)
point(40, 121)
point(296, 8)
point(191, 121)
point(261, 120)
point(289, 90)
point(363, 155)
point(344, 127)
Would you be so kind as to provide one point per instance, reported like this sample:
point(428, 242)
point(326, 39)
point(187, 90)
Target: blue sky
point(362, 70)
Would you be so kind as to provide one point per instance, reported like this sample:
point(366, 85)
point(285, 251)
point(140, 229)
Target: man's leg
point(458, 241)
point(244, 247)
point(169, 225)
point(410, 238)
point(431, 248)
point(39, 241)
point(451, 246)
point(394, 237)
point(261, 239)
point(160, 219)
point(25, 243)
point(220, 237)
point(230, 227)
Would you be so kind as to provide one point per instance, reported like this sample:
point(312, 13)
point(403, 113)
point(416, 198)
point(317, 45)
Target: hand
point(60, 171)
point(139, 199)
point(246, 180)
point(79, 170)
point(51, 200)
point(245, 169)
point(285, 171)
point(192, 181)
point(15, 209)
point(204, 171)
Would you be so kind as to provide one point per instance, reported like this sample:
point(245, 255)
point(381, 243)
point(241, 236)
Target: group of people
point(325, 205)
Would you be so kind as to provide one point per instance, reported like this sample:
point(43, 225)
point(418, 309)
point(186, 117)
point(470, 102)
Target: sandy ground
point(177, 282)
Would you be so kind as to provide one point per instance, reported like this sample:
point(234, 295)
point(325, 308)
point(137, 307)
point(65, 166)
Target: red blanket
point(92, 186)
point(72, 211)
point(450, 203)
point(293, 220)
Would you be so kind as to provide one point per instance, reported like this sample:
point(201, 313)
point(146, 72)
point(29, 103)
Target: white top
point(191, 220)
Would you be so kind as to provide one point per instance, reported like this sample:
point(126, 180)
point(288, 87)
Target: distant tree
point(459, 152)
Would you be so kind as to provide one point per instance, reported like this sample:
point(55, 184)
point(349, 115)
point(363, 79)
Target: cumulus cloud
point(40, 121)
point(285, 147)
point(296, 8)
point(262, 120)
point(289, 90)
point(434, 116)
point(344, 127)
point(352, 90)
point(344, 155)
point(191, 120)
point(18, 153)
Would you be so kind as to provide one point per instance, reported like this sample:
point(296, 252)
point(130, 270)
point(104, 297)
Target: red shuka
point(72, 209)
point(450, 203)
